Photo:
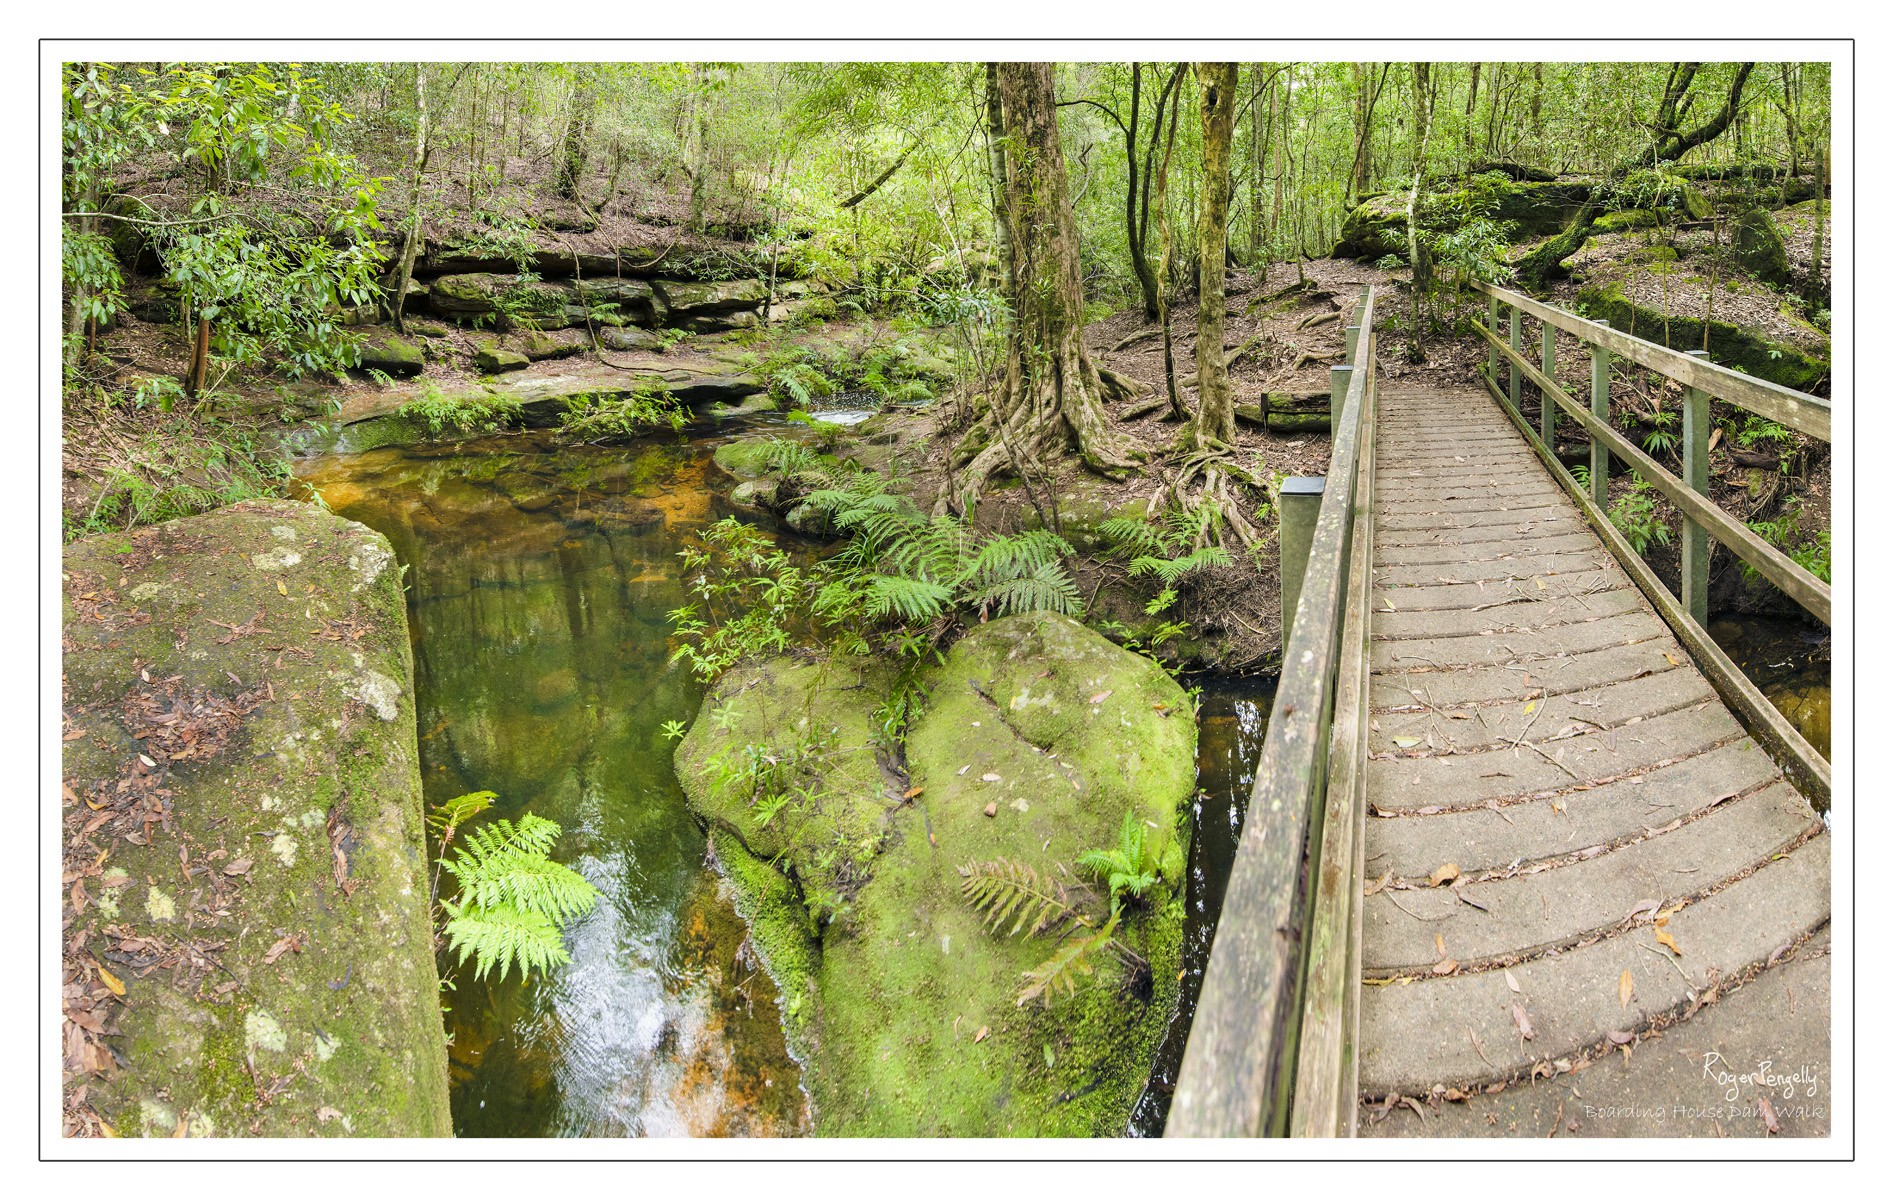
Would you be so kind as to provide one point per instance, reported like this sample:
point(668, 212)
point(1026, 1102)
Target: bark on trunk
point(575, 150)
point(1052, 399)
point(422, 151)
point(1216, 405)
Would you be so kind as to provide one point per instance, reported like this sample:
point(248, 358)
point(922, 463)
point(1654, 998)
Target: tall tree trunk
point(577, 142)
point(1216, 405)
point(1255, 166)
point(996, 156)
point(1051, 400)
point(1166, 270)
point(1668, 141)
point(1139, 228)
point(1816, 290)
point(422, 152)
point(1472, 104)
point(1417, 252)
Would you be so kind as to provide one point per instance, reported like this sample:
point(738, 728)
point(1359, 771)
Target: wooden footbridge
point(1527, 853)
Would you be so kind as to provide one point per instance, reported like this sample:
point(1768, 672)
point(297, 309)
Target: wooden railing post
point(1517, 318)
point(1547, 406)
point(1696, 543)
point(1600, 408)
point(1492, 352)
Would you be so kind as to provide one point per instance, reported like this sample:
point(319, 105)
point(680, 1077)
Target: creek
point(539, 576)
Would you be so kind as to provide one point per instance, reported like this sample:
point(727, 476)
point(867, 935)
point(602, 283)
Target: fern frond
point(502, 936)
point(1048, 589)
point(1172, 569)
point(451, 814)
point(1060, 972)
point(1004, 888)
point(909, 599)
point(1131, 535)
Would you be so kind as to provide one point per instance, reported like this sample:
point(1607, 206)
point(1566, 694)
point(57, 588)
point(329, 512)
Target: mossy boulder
point(244, 812)
point(1756, 243)
point(392, 354)
point(466, 295)
point(1802, 364)
point(745, 459)
point(709, 299)
point(1627, 219)
point(902, 1005)
point(493, 360)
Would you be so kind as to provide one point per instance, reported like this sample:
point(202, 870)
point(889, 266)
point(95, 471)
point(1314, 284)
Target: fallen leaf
point(1445, 873)
point(990, 777)
point(1445, 966)
point(281, 588)
point(1673, 660)
point(238, 866)
point(981, 1035)
point(282, 947)
point(992, 810)
point(1406, 742)
point(1511, 981)
point(325, 1114)
point(1663, 936)
point(75, 735)
point(1522, 1021)
point(112, 981)
point(911, 792)
point(1626, 988)
point(1101, 697)
point(1439, 944)
point(1531, 706)
point(1768, 1114)
point(1618, 1037)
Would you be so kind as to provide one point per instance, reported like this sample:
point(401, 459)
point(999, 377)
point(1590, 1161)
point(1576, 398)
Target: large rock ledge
point(903, 1008)
point(243, 832)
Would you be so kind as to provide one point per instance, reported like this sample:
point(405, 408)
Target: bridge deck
point(1536, 726)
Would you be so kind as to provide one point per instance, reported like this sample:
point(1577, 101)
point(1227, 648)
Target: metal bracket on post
point(1548, 407)
point(1600, 408)
point(1517, 319)
point(1696, 543)
point(1299, 507)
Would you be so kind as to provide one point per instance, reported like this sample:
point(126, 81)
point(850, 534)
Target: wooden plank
point(1324, 1098)
point(1797, 410)
point(1240, 1058)
point(1803, 763)
point(1794, 580)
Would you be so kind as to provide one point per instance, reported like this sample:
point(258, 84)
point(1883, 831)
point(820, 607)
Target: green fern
point(908, 599)
point(1049, 588)
point(513, 899)
point(1169, 570)
point(1129, 867)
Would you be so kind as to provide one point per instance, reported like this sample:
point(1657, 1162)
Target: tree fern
point(512, 898)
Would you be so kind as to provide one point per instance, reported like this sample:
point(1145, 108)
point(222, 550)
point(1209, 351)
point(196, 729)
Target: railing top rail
point(1785, 406)
point(1228, 1083)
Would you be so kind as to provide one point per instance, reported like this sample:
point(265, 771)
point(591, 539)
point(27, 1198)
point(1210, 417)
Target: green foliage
point(1133, 866)
point(468, 412)
point(513, 899)
point(1814, 553)
point(1634, 513)
point(595, 418)
point(900, 572)
point(183, 468)
point(267, 232)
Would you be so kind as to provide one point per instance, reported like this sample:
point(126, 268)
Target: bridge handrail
point(1702, 518)
point(1245, 1043)
point(1794, 580)
point(1784, 406)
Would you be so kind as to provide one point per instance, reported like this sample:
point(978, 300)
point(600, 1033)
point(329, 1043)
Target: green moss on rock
point(1792, 365)
point(911, 1024)
point(299, 816)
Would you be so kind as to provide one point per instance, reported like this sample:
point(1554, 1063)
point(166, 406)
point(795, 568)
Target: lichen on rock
point(904, 1008)
point(244, 809)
